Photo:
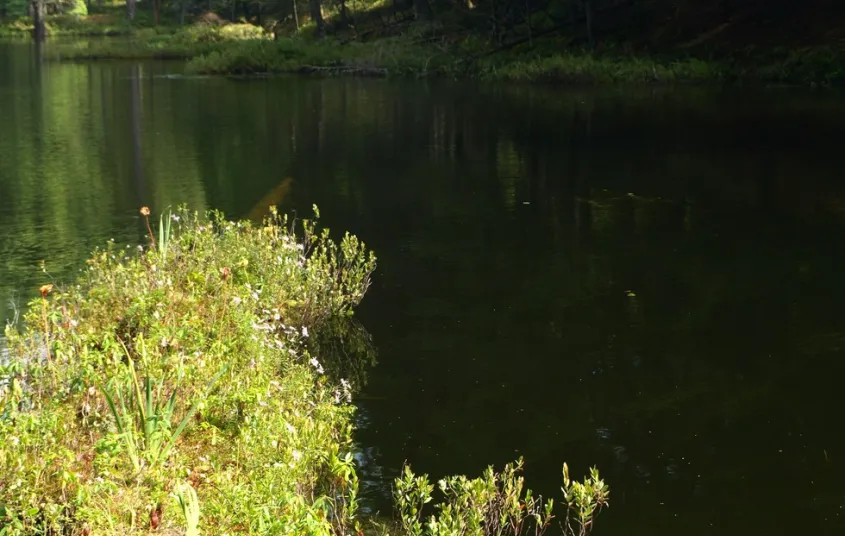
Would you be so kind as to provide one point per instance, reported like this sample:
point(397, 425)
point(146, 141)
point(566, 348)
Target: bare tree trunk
point(39, 30)
point(528, 22)
point(295, 15)
point(130, 9)
point(155, 12)
point(344, 14)
point(183, 7)
point(588, 15)
point(317, 17)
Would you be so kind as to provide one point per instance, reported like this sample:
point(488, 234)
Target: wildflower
point(304, 331)
point(46, 289)
point(317, 366)
point(145, 211)
point(236, 300)
point(174, 217)
point(296, 455)
point(225, 272)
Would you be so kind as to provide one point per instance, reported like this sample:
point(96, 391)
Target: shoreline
point(392, 58)
point(244, 49)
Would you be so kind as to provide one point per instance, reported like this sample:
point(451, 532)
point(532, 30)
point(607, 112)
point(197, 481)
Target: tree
point(422, 10)
point(317, 16)
point(39, 29)
point(130, 9)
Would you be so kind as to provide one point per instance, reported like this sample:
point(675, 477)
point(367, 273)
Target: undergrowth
point(182, 370)
point(183, 387)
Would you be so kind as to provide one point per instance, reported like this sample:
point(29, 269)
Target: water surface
point(650, 281)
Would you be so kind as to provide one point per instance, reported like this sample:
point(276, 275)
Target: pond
point(646, 280)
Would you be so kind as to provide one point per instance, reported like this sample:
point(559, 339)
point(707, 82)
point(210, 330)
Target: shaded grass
point(109, 21)
point(587, 68)
point(422, 52)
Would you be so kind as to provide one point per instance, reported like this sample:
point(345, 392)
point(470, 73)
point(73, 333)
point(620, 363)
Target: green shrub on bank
point(496, 504)
point(176, 388)
point(210, 33)
point(182, 369)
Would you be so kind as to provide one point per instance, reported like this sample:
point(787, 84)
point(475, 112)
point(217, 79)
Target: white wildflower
point(296, 455)
point(317, 366)
point(304, 331)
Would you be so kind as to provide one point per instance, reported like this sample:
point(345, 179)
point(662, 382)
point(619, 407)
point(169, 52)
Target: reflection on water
point(648, 281)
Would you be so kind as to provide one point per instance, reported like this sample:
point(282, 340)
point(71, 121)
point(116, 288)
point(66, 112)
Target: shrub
point(183, 367)
point(495, 504)
point(176, 387)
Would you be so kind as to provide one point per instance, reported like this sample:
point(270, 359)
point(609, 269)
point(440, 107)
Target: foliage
point(494, 504)
point(207, 33)
point(590, 68)
point(185, 368)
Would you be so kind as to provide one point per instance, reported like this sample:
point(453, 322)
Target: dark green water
point(648, 281)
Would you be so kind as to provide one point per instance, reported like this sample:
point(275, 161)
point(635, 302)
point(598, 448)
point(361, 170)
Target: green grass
point(584, 68)
point(109, 21)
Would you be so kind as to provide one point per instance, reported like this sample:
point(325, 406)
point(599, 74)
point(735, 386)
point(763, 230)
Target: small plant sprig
point(189, 504)
point(145, 426)
point(583, 499)
point(145, 212)
point(45, 290)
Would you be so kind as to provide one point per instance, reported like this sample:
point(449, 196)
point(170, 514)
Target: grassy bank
point(242, 49)
point(109, 21)
point(172, 389)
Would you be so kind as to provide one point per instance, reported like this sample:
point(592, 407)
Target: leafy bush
point(176, 387)
point(495, 504)
point(184, 366)
point(217, 33)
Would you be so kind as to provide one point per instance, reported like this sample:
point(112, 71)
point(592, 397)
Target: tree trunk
point(130, 9)
point(422, 10)
point(39, 30)
point(183, 8)
point(588, 15)
point(317, 17)
point(344, 14)
point(528, 23)
point(155, 12)
point(295, 15)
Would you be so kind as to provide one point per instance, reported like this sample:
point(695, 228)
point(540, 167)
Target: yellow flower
point(145, 211)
